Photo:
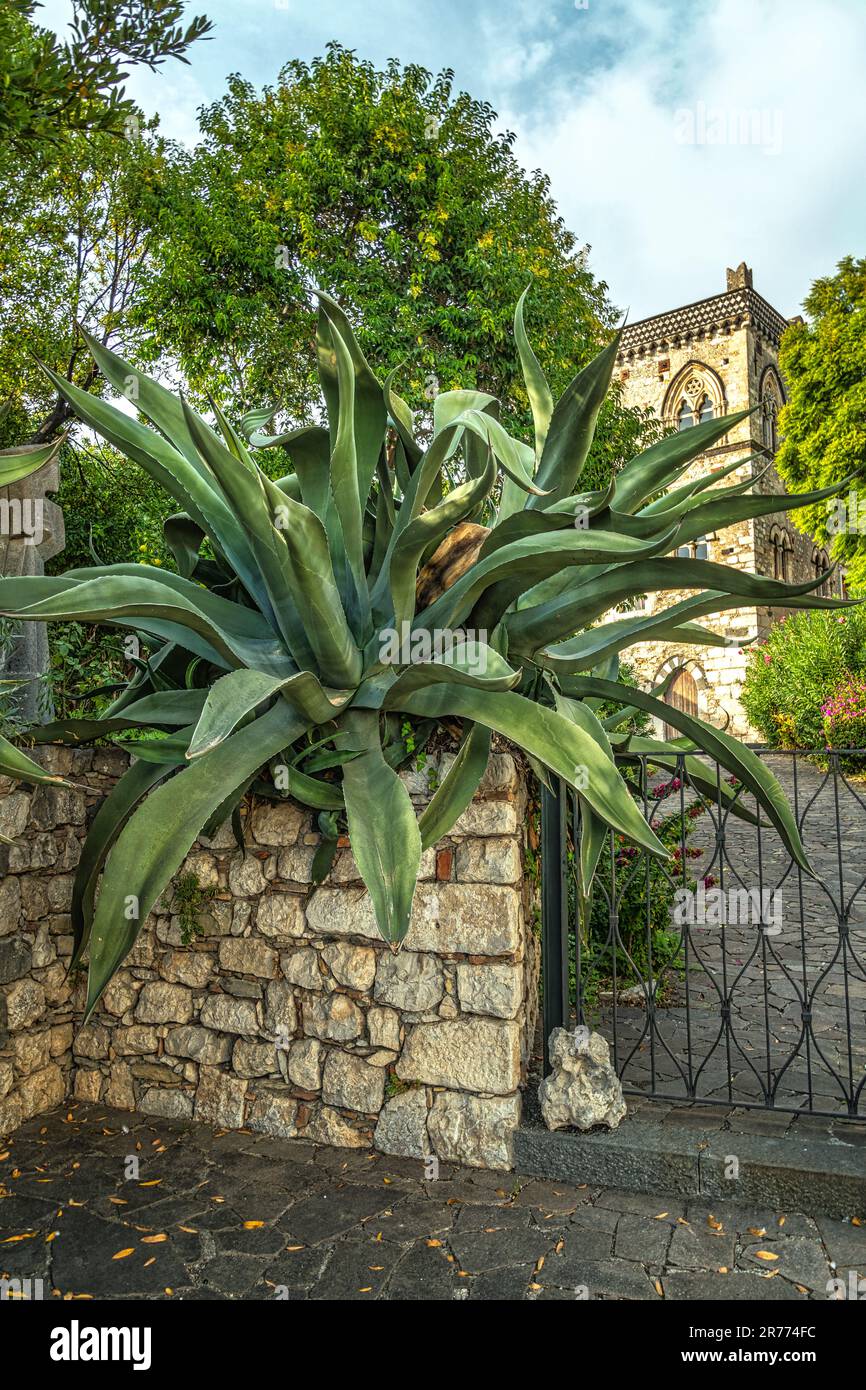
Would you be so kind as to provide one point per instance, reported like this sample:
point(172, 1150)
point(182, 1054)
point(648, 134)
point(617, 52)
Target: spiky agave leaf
point(268, 667)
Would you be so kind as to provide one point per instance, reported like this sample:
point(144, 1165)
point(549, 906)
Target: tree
point(824, 421)
point(52, 88)
point(73, 250)
point(390, 191)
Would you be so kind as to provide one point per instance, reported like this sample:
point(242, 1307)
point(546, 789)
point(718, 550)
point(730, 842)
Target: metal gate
point(726, 975)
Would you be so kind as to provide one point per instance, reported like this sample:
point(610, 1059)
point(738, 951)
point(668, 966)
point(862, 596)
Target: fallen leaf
point(122, 1254)
point(433, 1244)
point(294, 1247)
point(13, 1240)
point(154, 1240)
point(190, 1230)
point(253, 1225)
point(368, 1289)
point(151, 1182)
point(757, 1231)
point(723, 1269)
point(536, 1288)
point(658, 1288)
point(765, 1255)
point(151, 1261)
point(855, 1221)
point(661, 1216)
point(713, 1224)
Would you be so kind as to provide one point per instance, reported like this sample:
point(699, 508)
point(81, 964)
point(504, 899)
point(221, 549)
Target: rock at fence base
point(583, 1088)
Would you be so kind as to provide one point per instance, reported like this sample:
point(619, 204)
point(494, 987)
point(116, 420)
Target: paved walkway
point(104, 1204)
point(795, 995)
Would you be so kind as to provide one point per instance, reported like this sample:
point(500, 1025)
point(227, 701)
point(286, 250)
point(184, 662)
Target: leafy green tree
point(393, 192)
point(824, 421)
point(51, 88)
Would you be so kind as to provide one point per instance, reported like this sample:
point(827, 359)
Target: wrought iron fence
point(727, 975)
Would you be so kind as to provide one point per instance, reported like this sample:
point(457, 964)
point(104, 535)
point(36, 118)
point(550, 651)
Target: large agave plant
point(309, 618)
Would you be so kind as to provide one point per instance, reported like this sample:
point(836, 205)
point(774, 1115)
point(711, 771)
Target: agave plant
point(304, 623)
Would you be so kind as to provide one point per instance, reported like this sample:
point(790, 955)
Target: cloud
point(773, 91)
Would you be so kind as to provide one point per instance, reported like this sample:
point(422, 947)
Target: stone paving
point(765, 978)
point(234, 1215)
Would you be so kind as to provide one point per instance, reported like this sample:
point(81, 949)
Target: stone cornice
point(727, 312)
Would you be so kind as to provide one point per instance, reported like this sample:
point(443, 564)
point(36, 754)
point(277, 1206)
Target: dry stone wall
point(271, 1003)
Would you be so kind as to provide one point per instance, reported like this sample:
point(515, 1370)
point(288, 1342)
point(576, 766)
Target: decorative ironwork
point(727, 975)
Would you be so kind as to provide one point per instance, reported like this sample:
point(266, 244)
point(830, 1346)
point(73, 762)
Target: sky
point(680, 136)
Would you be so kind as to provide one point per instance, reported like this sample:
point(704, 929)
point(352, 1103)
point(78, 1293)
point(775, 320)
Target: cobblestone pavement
point(231, 1215)
point(795, 995)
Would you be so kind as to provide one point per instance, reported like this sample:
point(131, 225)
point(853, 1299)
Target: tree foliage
point(52, 88)
point(824, 421)
point(391, 191)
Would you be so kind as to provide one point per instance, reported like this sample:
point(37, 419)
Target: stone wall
point(285, 1012)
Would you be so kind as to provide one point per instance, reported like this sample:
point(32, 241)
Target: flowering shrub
point(845, 717)
point(796, 670)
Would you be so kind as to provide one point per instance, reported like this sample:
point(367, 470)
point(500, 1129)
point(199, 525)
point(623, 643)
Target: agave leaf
point(457, 787)
point(118, 806)
point(594, 831)
point(512, 568)
point(187, 483)
point(167, 708)
point(663, 462)
point(27, 459)
point(710, 786)
point(572, 426)
point(468, 662)
point(537, 389)
point(15, 764)
point(337, 374)
point(367, 398)
point(532, 628)
point(235, 696)
point(154, 843)
point(184, 537)
point(591, 647)
point(383, 828)
point(562, 746)
point(727, 751)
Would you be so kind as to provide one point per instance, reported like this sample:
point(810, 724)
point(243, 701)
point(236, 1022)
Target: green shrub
point(797, 669)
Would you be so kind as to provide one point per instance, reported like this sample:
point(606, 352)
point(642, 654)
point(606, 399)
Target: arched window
point(705, 411)
point(782, 548)
point(821, 564)
point(685, 416)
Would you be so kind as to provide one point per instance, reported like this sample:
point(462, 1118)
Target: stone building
point(692, 364)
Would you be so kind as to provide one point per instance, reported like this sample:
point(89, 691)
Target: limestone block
point(334, 1018)
point(301, 967)
point(25, 1003)
point(328, 1126)
point(410, 981)
point(16, 958)
point(169, 1104)
point(139, 1039)
point(351, 1083)
point(495, 860)
point(351, 965)
point(383, 1026)
point(402, 1126)
point(88, 1084)
point(164, 1003)
point(42, 1091)
point(273, 1112)
point(281, 1014)
point(280, 915)
point(193, 968)
point(228, 1015)
point(470, 919)
point(253, 1059)
point(120, 994)
point(278, 822)
point(119, 1090)
point(475, 1130)
point(246, 876)
point(219, 1099)
point(248, 957)
point(472, 1054)
point(305, 1063)
point(200, 1044)
point(490, 989)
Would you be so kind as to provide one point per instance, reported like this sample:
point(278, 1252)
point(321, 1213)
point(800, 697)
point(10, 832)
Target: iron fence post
point(554, 914)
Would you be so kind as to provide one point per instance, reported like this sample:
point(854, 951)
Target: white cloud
point(665, 218)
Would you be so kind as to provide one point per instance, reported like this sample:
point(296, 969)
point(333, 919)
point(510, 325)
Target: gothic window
point(706, 411)
point(769, 414)
point(685, 416)
point(782, 548)
point(820, 564)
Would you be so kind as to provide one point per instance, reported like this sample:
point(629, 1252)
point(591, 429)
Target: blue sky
point(680, 136)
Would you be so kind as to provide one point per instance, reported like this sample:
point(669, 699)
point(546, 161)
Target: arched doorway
point(682, 694)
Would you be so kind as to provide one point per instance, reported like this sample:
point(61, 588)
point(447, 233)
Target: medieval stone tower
point(712, 358)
